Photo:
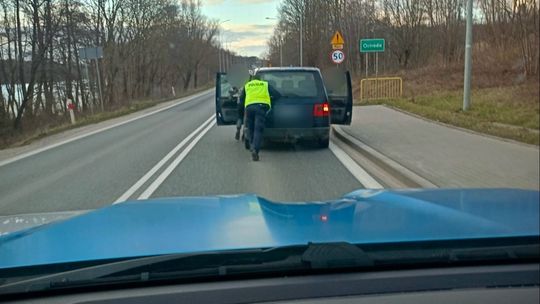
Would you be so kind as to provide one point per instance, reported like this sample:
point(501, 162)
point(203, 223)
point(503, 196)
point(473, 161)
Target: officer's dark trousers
point(255, 119)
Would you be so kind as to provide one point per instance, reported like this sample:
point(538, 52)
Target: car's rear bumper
point(294, 134)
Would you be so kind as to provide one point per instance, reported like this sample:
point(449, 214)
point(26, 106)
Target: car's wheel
point(323, 142)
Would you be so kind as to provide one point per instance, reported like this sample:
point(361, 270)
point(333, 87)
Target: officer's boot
point(254, 155)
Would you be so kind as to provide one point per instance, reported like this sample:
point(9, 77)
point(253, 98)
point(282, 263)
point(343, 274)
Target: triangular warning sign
point(338, 38)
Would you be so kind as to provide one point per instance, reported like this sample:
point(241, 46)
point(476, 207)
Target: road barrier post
point(381, 88)
point(71, 107)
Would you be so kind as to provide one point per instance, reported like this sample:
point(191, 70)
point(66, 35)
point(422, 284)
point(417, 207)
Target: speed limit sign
point(337, 56)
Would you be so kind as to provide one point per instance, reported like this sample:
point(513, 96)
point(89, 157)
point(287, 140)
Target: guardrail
point(381, 88)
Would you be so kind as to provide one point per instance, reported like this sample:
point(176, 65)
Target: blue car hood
point(197, 224)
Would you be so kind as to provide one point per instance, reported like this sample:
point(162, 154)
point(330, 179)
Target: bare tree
point(149, 47)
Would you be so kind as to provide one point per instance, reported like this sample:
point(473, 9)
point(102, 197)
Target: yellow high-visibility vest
point(257, 92)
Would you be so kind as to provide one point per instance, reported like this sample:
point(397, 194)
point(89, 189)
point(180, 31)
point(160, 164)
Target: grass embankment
point(28, 137)
point(511, 112)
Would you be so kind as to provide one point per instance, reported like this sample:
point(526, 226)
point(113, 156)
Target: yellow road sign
point(337, 39)
point(337, 46)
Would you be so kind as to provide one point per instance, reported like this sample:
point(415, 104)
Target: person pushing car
point(256, 99)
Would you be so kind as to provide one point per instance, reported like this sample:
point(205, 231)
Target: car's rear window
point(294, 83)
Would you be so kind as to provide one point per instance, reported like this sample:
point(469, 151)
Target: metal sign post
point(95, 53)
point(367, 64)
point(376, 64)
point(372, 46)
point(88, 79)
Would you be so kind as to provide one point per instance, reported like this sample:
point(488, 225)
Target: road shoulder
point(73, 134)
point(446, 156)
point(460, 128)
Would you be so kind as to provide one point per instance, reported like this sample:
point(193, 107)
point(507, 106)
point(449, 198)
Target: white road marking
point(161, 178)
point(358, 172)
point(162, 162)
point(25, 155)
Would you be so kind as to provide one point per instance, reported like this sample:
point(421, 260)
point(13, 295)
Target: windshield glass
point(297, 84)
point(136, 128)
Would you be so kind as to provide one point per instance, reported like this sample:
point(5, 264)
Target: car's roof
point(281, 69)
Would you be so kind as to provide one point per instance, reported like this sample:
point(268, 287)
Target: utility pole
point(301, 45)
point(468, 58)
point(88, 86)
point(281, 52)
point(281, 40)
point(219, 54)
point(219, 47)
point(99, 85)
point(226, 57)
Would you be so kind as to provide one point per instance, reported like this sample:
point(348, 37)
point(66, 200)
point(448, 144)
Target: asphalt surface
point(448, 157)
point(220, 165)
point(95, 171)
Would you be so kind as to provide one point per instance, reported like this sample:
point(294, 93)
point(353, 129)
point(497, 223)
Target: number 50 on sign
point(337, 56)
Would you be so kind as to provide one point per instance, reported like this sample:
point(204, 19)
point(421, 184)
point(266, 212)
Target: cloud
point(246, 38)
point(213, 2)
point(219, 2)
point(255, 1)
point(245, 28)
point(246, 43)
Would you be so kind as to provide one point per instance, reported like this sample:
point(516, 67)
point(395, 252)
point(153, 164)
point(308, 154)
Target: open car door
point(339, 91)
point(226, 101)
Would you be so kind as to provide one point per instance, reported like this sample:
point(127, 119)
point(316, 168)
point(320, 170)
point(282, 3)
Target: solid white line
point(162, 162)
point(24, 155)
point(358, 172)
point(161, 178)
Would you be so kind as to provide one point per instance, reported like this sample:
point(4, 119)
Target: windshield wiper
point(286, 259)
point(209, 264)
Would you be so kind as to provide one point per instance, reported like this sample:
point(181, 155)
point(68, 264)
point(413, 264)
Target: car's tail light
point(321, 109)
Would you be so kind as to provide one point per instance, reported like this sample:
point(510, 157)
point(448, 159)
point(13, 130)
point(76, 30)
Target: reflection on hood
point(195, 224)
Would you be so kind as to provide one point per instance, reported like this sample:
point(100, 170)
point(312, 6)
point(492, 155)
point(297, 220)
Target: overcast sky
point(247, 31)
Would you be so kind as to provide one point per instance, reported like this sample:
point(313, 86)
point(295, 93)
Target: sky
point(247, 31)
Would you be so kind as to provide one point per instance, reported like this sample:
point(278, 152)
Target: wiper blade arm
point(312, 256)
point(98, 271)
point(287, 258)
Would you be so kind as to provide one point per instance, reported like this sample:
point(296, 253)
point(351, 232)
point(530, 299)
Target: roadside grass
point(26, 138)
point(510, 112)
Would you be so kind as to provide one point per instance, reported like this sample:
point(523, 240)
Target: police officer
point(256, 99)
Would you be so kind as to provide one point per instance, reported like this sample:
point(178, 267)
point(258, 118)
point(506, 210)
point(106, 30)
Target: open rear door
point(226, 101)
point(339, 91)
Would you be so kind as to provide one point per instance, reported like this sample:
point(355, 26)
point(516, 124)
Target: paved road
point(447, 157)
point(97, 170)
point(219, 165)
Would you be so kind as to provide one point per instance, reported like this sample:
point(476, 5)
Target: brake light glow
point(321, 109)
